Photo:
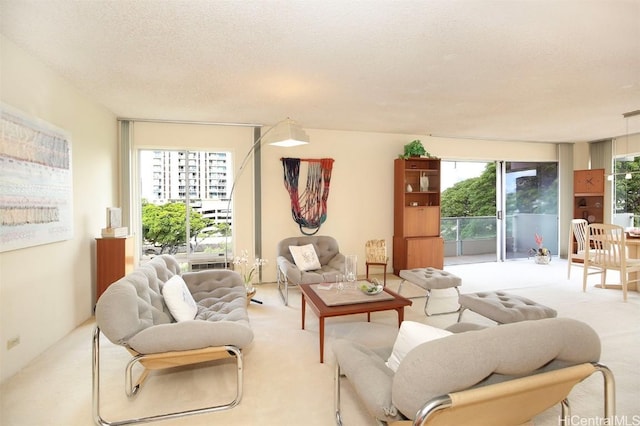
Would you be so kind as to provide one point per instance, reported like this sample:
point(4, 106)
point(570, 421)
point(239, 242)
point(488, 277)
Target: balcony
point(474, 239)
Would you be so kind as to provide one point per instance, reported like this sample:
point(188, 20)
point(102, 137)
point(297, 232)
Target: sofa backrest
point(490, 355)
point(135, 301)
point(326, 247)
point(166, 266)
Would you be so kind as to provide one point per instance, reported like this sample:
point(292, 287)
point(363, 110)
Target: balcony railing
point(468, 236)
point(472, 236)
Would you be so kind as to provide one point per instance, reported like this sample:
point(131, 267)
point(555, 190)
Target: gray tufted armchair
point(133, 313)
point(331, 263)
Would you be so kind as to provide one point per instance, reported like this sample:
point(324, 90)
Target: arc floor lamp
point(285, 133)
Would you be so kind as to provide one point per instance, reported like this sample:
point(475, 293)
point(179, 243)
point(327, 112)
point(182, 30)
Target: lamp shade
point(288, 133)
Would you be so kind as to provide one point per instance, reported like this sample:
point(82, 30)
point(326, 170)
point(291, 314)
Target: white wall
point(46, 291)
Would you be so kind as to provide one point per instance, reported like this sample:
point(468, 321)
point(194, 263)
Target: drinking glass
point(351, 269)
point(340, 282)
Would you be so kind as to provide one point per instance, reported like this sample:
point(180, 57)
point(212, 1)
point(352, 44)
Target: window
point(626, 180)
point(184, 214)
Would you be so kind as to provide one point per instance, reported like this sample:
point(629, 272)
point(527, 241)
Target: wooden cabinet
point(114, 260)
point(417, 242)
point(421, 221)
point(418, 252)
point(588, 195)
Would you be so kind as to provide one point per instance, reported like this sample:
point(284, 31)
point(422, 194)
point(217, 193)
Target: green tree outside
point(627, 197)
point(165, 225)
point(469, 198)
point(477, 197)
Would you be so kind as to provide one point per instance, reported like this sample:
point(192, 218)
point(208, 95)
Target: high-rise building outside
point(204, 177)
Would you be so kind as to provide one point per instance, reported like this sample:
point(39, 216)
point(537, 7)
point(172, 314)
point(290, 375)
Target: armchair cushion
point(412, 334)
point(305, 257)
point(327, 250)
point(178, 299)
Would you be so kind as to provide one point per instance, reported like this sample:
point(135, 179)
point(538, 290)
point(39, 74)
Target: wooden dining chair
point(606, 249)
point(376, 255)
point(577, 239)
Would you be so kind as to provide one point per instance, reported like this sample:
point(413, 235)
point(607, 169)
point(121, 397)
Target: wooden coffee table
point(323, 311)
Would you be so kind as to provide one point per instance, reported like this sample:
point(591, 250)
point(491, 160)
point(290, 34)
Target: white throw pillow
point(305, 257)
point(412, 334)
point(178, 299)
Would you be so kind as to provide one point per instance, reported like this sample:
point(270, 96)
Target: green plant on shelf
point(414, 149)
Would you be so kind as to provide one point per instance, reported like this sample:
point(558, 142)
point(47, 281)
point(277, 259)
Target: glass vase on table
point(351, 270)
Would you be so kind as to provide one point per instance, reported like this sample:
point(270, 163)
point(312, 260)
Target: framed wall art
point(36, 191)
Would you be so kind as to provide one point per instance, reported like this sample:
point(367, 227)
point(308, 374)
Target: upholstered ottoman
point(503, 307)
point(430, 279)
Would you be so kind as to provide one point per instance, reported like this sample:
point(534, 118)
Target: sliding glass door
point(530, 206)
point(493, 210)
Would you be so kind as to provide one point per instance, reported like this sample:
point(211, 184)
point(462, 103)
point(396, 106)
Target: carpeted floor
point(284, 382)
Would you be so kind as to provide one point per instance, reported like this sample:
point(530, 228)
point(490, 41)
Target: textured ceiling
point(543, 70)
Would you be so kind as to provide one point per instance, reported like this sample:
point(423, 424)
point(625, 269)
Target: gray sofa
point(469, 359)
point(331, 263)
point(132, 313)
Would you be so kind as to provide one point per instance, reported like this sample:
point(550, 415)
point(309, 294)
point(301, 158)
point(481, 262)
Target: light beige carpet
point(284, 382)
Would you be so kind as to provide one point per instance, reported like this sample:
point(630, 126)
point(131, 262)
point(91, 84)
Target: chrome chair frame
point(159, 361)
point(443, 402)
point(426, 302)
point(281, 280)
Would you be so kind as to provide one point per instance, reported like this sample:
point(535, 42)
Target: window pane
point(184, 198)
point(627, 191)
point(531, 207)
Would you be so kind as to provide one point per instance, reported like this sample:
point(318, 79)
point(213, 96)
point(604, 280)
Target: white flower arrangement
point(246, 269)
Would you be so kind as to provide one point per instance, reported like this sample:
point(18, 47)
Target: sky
point(455, 171)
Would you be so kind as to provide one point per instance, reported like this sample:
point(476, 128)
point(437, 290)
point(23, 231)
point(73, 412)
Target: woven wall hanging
point(309, 208)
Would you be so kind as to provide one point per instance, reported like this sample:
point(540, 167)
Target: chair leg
point(95, 369)
point(442, 313)
point(282, 280)
point(400, 286)
point(609, 391)
point(336, 395)
point(462, 309)
point(382, 265)
point(384, 284)
point(565, 416)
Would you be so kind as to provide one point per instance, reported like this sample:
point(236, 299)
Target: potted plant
point(414, 149)
point(541, 255)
